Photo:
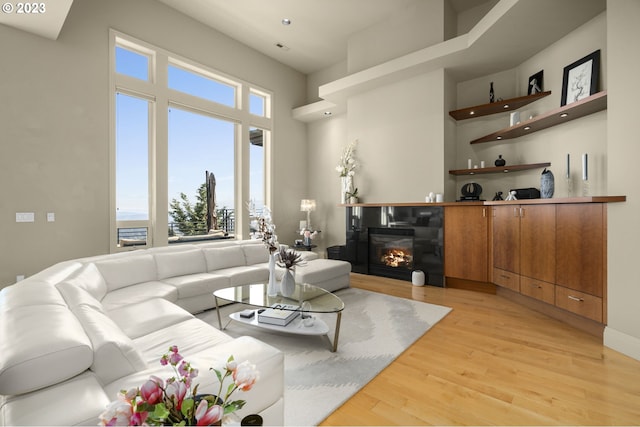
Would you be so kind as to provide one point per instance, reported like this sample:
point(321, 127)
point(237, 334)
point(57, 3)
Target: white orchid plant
point(348, 163)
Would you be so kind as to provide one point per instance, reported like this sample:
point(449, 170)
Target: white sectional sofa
point(76, 333)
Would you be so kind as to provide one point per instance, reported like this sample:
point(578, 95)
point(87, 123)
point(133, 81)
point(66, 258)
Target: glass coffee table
point(307, 299)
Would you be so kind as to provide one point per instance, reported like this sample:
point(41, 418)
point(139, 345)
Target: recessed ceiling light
point(286, 21)
point(563, 115)
point(505, 106)
point(527, 127)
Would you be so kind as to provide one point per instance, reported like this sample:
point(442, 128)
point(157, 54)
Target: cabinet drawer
point(538, 289)
point(507, 279)
point(579, 303)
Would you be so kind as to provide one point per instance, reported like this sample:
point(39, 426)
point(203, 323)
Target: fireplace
point(393, 241)
point(391, 252)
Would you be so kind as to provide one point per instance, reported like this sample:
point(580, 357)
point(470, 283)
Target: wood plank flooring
point(494, 362)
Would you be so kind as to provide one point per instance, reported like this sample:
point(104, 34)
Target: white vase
point(272, 286)
point(288, 283)
point(347, 188)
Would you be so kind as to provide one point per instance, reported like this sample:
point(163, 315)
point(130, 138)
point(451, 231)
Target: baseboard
point(621, 342)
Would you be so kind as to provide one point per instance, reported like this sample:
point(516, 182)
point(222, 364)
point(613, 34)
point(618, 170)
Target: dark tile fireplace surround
point(394, 241)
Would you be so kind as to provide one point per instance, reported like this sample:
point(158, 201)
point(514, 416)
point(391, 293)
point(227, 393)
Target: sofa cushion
point(114, 353)
point(88, 277)
point(76, 296)
point(29, 292)
point(146, 317)
point(140, 292)
point(218, 258)
point(245, 275)
point(35, 339)
point(126, 271)
point(77, 401)
point(202, 284)
point(191, 336)
point(255, 254)
point(172, 264)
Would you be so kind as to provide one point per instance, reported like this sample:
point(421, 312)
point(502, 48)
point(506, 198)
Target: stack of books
point(279, 314)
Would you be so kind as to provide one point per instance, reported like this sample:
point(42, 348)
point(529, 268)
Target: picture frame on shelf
point(535, 83)
point(580, 78)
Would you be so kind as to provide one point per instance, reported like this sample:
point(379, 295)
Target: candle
point(585, 165)
point(568, 166)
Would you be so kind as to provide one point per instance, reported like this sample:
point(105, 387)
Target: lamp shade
point(307, 205)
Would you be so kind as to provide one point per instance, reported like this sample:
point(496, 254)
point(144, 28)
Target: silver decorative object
point(547, 184)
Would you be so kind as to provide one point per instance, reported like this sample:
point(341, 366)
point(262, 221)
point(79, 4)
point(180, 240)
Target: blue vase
point(547, 184)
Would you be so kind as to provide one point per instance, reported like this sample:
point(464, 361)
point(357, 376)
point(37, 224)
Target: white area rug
point(375, 330)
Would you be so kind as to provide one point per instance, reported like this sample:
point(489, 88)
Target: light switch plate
point(51, 217)
point(25, 216)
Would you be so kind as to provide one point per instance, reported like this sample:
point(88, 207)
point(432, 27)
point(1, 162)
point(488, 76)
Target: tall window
point(187, 159)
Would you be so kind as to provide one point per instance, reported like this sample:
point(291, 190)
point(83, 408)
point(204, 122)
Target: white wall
point(55, 126)
point(623, 33)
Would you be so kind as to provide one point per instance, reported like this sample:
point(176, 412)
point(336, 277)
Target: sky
point(197, 142)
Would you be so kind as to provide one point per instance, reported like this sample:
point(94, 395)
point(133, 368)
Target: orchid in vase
point(175, 401)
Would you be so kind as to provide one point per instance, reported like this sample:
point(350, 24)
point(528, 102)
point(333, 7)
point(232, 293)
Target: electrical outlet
point(51, 217)
point(25, 217)
point(19, 277)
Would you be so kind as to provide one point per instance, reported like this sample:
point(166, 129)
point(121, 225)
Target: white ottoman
point(329, 274)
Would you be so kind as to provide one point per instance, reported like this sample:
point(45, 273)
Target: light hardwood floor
point(494, 362)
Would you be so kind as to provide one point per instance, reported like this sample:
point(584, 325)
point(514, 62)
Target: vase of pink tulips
point(176, 401)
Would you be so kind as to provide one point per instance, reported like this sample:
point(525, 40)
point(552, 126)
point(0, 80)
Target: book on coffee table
point(279, 314)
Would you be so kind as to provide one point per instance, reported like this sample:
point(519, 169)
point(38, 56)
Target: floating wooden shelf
point(499, 169)
point(496, 107)
point(584, 107)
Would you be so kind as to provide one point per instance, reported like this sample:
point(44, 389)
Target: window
point(200, 145)
point(176, 125)
point(132, 63)
point(201, 86)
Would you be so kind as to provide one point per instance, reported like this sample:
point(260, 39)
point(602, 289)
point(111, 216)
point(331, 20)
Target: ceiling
point(319, 31)
point(317, 37)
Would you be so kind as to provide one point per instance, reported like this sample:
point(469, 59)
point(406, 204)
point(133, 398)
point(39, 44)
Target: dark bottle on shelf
point(500, 161)
point(492, 96)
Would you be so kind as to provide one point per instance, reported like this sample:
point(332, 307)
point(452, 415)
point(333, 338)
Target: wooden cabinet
point(524, 249)
point(466, 242)
point(555, 253)
point(581, 259)
point(538, 242)
point(581, 247)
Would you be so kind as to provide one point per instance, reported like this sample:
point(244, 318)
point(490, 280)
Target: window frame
point(161, 98)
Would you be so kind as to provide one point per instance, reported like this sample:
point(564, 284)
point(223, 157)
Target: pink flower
point(138, 418)
point(118, 413)
point(175, 358)
point(206, 416)
point(151, 391)
point(178, 391)
point(231, 365)
point(245, 376)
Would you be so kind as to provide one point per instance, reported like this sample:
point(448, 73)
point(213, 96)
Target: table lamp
point(308, 205)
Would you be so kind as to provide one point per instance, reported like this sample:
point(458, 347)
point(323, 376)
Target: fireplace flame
point(397, 258)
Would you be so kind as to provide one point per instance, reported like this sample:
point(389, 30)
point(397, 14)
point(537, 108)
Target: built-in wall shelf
point(499, 169)
point(496, 107)
point(575, 110)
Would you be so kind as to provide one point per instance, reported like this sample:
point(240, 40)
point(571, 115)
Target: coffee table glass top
point(322, 301)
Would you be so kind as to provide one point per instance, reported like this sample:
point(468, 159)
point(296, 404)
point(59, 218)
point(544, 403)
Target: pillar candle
point(585, 165)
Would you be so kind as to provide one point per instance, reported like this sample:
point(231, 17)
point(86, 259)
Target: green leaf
point(160, 411)
point(187, 407)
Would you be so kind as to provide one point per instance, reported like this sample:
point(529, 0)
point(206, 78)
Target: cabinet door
point(580, 246)
point(506, 238)
point(465, 242)
point(538, 242)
